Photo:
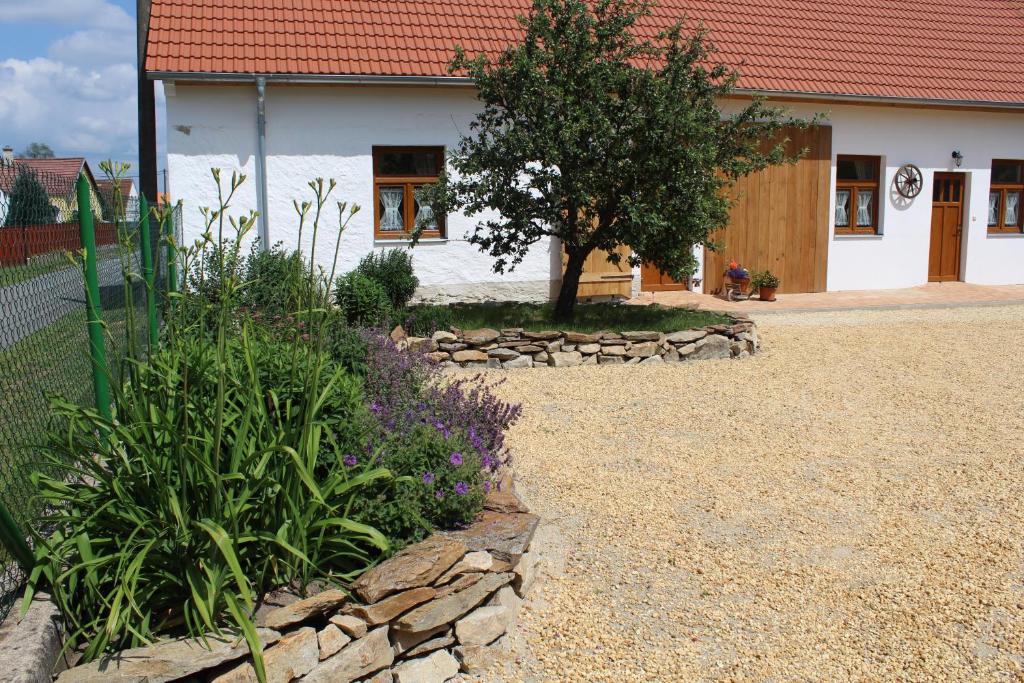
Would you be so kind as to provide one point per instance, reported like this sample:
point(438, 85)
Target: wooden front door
point(779, 218)
point(947, 227)
point(653, 280)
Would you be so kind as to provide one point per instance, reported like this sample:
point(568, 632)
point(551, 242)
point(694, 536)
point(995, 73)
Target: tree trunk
point(566, 304)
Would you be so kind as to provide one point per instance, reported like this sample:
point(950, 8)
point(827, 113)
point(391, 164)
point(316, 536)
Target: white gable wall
point(329, 131)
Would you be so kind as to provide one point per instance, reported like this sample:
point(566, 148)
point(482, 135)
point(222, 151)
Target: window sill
point(856, 234)
point(1005, 233)
point(386, 241)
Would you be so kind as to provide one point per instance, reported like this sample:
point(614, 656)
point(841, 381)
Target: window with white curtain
point(398, 175)
point(1004, 197)
point(857, 182)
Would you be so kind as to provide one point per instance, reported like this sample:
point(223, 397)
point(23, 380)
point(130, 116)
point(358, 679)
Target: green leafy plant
point(225, 472)
point(275, 280)
point(764, 278)
point(423, 321)
point(362, 301)
point(392, 269)
point(594, 134)
point(442, 482)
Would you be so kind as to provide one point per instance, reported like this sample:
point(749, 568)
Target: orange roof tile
point(959, 50)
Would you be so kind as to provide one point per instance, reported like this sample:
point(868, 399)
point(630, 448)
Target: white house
point(926, 94)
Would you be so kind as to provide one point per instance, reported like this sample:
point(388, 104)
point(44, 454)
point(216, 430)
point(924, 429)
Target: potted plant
point(765, 283)
point(738, 275)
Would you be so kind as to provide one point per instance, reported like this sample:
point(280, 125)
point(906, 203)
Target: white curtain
point(391, 200)
point(993, 208)
point(842, 208)
point(1012, 208)
point(864, 207)
point(425, 217)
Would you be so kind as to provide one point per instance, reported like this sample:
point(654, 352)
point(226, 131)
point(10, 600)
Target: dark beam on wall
point(147, 109)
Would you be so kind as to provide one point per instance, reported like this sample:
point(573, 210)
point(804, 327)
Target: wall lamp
point(958, 158)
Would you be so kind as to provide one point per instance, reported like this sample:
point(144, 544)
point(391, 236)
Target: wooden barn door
point(602, 278)
point(653, 280)
point(779, 220)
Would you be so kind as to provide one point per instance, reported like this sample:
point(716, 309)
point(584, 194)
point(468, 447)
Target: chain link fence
point(44, 341)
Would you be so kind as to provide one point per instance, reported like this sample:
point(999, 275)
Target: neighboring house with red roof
point(58, 176)
point(926, 92)
point(129, 195)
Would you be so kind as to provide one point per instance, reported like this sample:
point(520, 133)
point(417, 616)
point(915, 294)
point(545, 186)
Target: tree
point(597, 137)
point(37, 150)
point(29, 202)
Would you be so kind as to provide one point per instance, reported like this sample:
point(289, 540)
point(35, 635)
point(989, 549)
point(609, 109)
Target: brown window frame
point(1001, 228)
point(854, 186)
point(409, 185)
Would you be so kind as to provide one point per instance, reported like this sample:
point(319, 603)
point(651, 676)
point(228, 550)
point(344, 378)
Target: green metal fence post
point(172, 252)
point(13, 539)
point(147, 271)
point(97, 350)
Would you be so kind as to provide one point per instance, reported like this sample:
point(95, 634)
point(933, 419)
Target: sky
point(67, 78)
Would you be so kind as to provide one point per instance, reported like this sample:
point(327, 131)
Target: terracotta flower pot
point(767, 293)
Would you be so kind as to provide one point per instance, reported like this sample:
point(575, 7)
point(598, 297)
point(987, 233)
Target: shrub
point(229, 468)
point(362, 301)
point(275, 280)
point(440, 482)
point(423, 321)
point(405, 388)
point(391, 269)
point(347, 346)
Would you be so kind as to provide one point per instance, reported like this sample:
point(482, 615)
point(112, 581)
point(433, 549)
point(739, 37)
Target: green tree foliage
point(597, 137)
point(37, 150)
point(29, 203)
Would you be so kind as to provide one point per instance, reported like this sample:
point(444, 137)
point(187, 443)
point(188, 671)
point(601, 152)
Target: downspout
point(261, 162)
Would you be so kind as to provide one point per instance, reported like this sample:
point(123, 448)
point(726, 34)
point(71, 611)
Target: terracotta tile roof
point(966, 50)
point(58, 176)
point(105, 186)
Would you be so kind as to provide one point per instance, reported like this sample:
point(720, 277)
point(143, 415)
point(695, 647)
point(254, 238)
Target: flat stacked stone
point(513, 347)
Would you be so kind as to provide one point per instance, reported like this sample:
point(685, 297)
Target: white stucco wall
point(898, 257)
point(329, 132)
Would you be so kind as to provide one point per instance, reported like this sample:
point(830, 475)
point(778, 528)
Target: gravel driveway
point(848, 505)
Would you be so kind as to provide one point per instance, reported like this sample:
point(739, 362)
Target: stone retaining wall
point(435, 609)
point(518, 348)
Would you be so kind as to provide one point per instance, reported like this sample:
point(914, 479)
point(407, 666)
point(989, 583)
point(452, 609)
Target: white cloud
point(94, 46)
point(91, 13)
point(79, 94)
point(79, 111)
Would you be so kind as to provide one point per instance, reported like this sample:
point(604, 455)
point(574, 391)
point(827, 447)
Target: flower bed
point(435, 608)
point(518, 348)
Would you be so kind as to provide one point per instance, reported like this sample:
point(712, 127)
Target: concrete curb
point(30, 646)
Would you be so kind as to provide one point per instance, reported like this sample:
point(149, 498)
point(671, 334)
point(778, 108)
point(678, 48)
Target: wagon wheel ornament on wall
point(909, 181)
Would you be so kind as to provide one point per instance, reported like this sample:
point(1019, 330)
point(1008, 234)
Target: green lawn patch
point(589, 317)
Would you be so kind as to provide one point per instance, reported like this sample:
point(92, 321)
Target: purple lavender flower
point(461, 488)
point(455, 459)
point(439, 494)
point(376, 408)
point(487, 486)
point(350, 461)
point(487, 463)
point(428, 478)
